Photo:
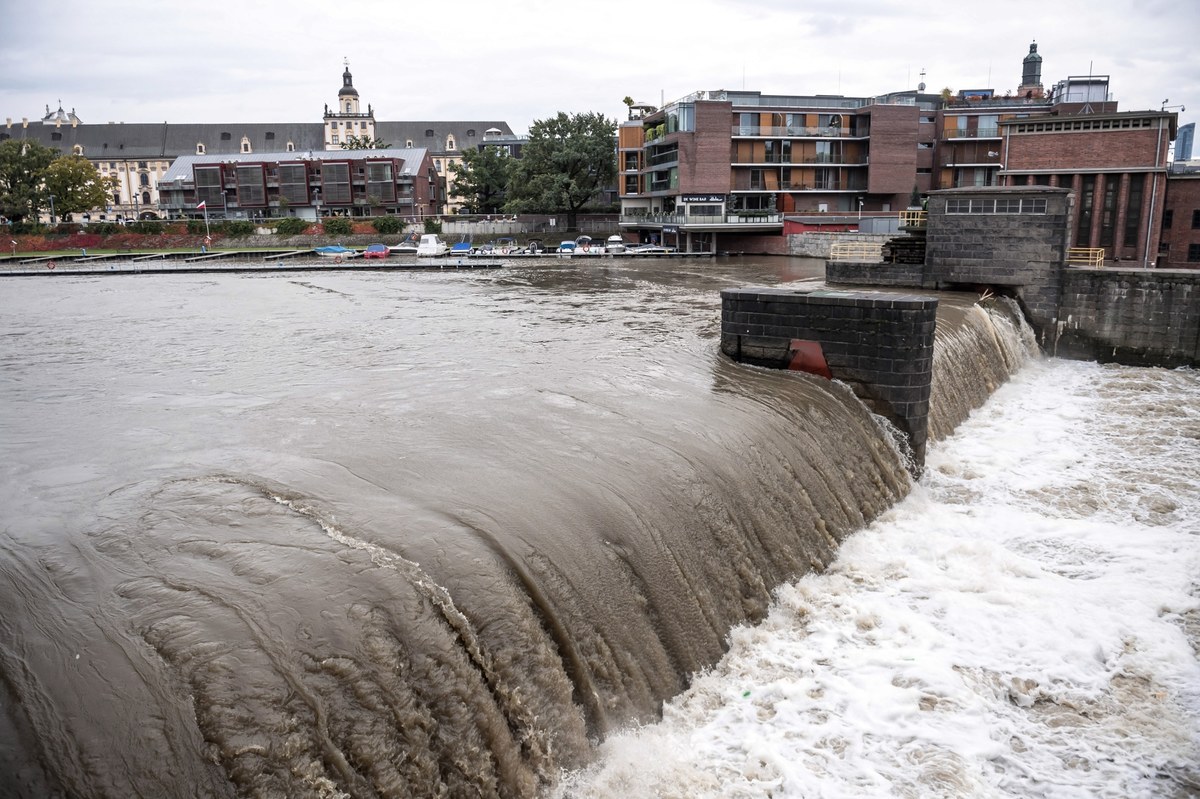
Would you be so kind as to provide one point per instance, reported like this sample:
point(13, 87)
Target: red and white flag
point(201, 205)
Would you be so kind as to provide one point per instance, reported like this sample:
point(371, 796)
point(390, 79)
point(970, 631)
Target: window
point(334, 138)
point(1196, 219)
point(293, 183)
point(437, 164)
point(429, 131)
point(270, 136)
point(471, 132)
point(143, 179)
point(1193, 253)
point(199, 150)
point(55, 136)
point(77, 149)
point(1167, 216)
point(1007, 205)
point(408, 143)
point(226, 137)
point(1083, 233)
point(291, 147)
point(450, 143)
point(1133, 209)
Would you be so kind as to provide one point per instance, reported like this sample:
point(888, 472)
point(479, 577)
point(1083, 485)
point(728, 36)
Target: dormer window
point(291, 147)
point(245, 144)
point(408, 143)
point(471, 133)
point(226, 136)
point(77, 149)
point(449, 142)
point(429, 132)
point(199, 149)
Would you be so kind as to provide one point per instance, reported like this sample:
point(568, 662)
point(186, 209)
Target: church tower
point(1031, 74)
point(346, 121)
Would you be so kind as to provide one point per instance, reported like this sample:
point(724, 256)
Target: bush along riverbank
point(289, 233)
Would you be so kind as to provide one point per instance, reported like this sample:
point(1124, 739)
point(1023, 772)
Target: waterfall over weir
point(343, 565)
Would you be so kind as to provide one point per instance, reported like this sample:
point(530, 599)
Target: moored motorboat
point(336, 252)
point(431, 245)
point(406, 247)
point(615, 244)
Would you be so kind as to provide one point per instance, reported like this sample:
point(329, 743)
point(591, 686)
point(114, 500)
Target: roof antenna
point(1087, 97)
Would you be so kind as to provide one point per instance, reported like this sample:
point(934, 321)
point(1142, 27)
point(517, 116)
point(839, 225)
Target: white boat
point(431, 245)
point(406, 247)
point(615, 244)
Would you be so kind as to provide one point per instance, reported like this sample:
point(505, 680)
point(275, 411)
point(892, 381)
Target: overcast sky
point(524, 60)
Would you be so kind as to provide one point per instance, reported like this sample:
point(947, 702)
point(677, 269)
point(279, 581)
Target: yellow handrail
point(912, 219)
point(856, 251)
point(1089, 256)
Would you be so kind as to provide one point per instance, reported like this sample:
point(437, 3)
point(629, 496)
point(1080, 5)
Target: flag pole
point(205, 220)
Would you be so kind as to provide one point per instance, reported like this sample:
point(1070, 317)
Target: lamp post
point(225, 203)
point(14, 245)
point(316, 197)
point(52, 210)
point(860, 205)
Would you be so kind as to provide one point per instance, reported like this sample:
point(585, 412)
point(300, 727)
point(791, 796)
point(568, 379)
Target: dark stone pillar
point(881, 345)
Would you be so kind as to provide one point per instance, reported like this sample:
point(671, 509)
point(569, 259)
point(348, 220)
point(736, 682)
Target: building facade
point(1179, 245)
point(309, 184)
point(722, 170)
point(138, 155)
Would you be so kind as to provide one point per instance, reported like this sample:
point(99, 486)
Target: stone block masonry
point(881, 345)
point(1139, 317)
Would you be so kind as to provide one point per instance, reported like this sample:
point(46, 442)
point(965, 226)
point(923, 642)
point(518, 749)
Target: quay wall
point(1137, 317)
point(814, 244)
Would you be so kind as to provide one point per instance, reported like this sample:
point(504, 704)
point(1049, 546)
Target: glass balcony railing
point(979, 133)
point(736, 218)
point(794, 131)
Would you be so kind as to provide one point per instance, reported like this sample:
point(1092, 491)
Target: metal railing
point(745, 218)
point(856, 251)
point(1088, 256)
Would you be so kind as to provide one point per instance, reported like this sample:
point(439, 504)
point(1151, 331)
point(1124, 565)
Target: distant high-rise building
point(1183, 142)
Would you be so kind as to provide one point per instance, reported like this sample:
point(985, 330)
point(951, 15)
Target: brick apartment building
point(735, 170)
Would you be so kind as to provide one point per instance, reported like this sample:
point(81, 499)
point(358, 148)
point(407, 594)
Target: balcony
point(704, 220)
point(784, 131)
point(980, 133)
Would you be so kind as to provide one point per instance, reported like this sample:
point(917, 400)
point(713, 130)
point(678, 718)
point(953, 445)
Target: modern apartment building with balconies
point(722, 170)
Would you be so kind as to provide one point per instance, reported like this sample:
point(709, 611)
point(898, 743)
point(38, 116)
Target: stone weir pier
point(1006, 241)
point(879, 344)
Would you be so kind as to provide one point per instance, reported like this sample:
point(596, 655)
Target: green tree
point(363, 143)
point(23, 166)
point(481, 180)
point(76, 185)
point(566, 163)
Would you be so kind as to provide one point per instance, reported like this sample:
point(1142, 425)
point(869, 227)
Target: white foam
point(1013, 628)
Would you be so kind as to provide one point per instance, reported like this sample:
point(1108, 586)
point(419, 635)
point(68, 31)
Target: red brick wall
point(704, 155)
point(1183, 200)
point(1069, 151)
point(894, 134)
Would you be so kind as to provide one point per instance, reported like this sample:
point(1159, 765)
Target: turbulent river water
point(525, 532)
